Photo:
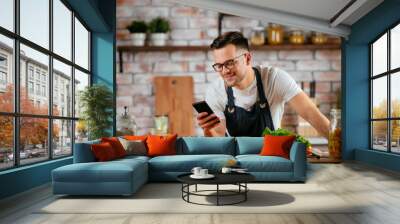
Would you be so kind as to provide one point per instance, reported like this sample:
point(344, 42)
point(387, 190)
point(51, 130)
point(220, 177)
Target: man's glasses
point(229, 64)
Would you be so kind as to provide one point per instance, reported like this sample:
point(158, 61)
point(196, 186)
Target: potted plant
point(138, 31)
point(159, 27)
point(96, 102)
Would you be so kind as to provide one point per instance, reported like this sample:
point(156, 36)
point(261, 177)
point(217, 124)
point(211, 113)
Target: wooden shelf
point(207, 48)
point(129, 48)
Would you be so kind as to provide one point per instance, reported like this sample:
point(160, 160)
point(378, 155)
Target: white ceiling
point(316, 15)
point(321, 9)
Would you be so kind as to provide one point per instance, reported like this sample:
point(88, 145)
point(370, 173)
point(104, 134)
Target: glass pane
point(81, 45)
point(395, 94)
point(33, 139)
point(6, 142)
point(7, 14)
point(6, 75)
point(379, 135)
point(81, 132)
point(62, 89)
point(81, 81)
point(34, 97)
point(395, 136)
point(35, 21)
point(62, 138)
point(379, 55)
point(395, 47)
point(62, 29)
point(379, 97)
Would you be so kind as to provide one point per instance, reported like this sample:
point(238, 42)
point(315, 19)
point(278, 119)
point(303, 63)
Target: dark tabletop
point(220, 178)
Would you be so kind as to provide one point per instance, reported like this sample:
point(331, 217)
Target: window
point(43, 90)
point(385, 96)
point(30, 72)
point(45, 131)
point(3, 71)
point(30, 87)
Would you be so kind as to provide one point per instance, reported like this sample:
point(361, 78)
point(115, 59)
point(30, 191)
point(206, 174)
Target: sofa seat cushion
point(257, 163)
point(185, 163)
point(205, 145)
point(112, 171)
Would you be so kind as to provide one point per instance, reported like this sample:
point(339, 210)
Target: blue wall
point(355, 84)
point(99, 16)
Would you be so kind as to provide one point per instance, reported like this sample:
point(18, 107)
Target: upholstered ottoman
point(118, 177)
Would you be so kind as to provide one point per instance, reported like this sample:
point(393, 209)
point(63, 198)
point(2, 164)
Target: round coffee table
point(238, 179)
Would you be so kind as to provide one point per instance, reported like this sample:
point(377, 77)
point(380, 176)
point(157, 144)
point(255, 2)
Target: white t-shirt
point(279, 88)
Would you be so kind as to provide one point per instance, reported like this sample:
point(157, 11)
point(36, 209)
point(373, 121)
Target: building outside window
point(35, 77)
point(385, 96)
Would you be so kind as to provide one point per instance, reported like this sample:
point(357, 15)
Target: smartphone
point(202, 106)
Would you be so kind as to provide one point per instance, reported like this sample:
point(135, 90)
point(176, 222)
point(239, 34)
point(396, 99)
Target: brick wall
point(193, 26)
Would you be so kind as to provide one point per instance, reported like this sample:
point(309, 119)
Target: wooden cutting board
point(174, 97)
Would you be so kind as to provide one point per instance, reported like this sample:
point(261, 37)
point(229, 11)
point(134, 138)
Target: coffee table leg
point(245, 191)
point(217, 194)
point(196, 188)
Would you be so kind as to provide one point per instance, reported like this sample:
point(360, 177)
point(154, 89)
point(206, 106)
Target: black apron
point(240, 122)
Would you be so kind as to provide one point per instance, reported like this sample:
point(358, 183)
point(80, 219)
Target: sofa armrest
point(299, 158)
point(83, 152)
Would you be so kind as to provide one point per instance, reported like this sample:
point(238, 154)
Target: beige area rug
point(166, 198)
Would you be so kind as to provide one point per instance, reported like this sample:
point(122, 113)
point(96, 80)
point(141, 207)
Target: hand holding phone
point(202, 106)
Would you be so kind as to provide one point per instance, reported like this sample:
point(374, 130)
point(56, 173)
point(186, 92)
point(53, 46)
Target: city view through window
point(39, 113)
point(385, 92)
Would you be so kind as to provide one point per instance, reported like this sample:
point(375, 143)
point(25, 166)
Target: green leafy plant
point(96, 102)
point(138, 26)
point(284, 132)
point(159, 25)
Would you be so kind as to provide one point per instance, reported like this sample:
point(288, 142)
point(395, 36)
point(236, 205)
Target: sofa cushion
point(185, 163)
point(277, 145)
point(83, 152)
point(160, 145)
point(257, 163)
point(112, 171)
point(134, 147)
point(116, 145)
point(103, 152)
point(249, 145)
point(206, 145)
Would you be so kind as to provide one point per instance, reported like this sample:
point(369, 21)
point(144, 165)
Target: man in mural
point(248, 98)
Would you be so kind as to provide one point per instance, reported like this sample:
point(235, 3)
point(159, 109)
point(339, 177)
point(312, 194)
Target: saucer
point(208, 176)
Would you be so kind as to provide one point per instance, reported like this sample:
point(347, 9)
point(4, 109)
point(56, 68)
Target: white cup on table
point(203, 172)
point(196, 171)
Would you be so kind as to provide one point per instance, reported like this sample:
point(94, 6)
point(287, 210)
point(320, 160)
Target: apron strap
point(260, 89)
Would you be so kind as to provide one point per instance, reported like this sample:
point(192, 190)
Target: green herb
point(159, 25)
point(284, 132)
point(138, 26)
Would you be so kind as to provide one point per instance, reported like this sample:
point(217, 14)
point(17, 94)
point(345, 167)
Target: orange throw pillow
point(116, 145)
point(135, 137)
point(277, 145)
point(161, 145)
point(103, 152)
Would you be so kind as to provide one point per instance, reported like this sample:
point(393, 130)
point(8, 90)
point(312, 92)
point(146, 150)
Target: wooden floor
point(378, 188)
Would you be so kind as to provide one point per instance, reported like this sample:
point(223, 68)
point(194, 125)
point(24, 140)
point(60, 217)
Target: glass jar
point(319, 38)
point(275, 34)
point(161, 124)
point(257, 36)
point(335, 135)
point(126, 124)
point(296, 37)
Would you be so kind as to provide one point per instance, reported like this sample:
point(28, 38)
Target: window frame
point(16, 114)
point(388, 74)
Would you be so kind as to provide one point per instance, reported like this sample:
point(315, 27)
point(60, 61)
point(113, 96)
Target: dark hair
point(235, 38)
